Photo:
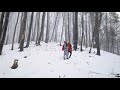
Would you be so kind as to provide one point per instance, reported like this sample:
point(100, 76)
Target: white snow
point(46, 61)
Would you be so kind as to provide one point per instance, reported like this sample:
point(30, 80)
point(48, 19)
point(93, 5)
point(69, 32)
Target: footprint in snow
point(25, 56)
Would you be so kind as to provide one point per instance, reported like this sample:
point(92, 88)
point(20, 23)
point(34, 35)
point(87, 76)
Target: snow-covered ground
point(46, 61)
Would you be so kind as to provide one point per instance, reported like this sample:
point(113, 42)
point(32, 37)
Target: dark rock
point(15, 64)
point(25, 56)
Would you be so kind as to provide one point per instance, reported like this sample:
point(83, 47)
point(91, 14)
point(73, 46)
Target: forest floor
point(46, 61)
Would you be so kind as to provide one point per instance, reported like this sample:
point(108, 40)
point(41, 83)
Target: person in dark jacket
point(70, 49)
point(65, 48)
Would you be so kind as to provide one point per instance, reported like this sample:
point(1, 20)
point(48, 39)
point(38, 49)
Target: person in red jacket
point(70, 49)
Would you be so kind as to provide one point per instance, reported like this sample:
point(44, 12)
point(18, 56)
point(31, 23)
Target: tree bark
point(62, 29)
point(82, 22)
point(54, 27)
point(23, 32)
point(30, 28)
point(38, 27)
point(20, 34)
point(4, 31)
point(47, 32)
point(42, 28)
point(1, 23)
point(15, 30)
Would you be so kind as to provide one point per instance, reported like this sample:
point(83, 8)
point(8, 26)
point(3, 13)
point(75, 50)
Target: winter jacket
point(69, 47)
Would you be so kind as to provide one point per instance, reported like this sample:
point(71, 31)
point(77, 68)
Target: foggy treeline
point(99, 30)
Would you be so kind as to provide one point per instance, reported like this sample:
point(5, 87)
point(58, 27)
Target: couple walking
point(67, 47)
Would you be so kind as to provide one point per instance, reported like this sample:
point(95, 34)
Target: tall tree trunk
point(68, 29)
point(82, 21)
point(34, 28)
point(23, 31)
point(30, 28)
point(117, 47)
point(56, 30)
point(54, 26)
point(38, 27)
point(47, 32)
point(107, 38)
point(1, 23)
point(93, 29)
point(42, 28)
point(89, 34)
point(75, 33)
point(20, 34)
point(97, 28)
point(62, 28)
point(4, 31)
point(15, 31)
point(86, 33)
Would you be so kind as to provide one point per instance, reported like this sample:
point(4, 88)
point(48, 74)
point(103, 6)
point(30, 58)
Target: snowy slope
point(46, 61)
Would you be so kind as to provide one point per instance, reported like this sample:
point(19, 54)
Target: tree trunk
point(75, 32)
point(89, 34)
point(54, 27)
point(15, 30)
point(68, 30)
point(82, 21)
point(30, 28)
point(1, 23)
point(23, 31)
point(47, 32)
point(38, 27)
point(117, 47)
point(42, 28)
point(107, 37)
point(86, 33)
point(20, 34)
point(4, 31)
point(62, 29)
point(97, 27)
point(93, 30)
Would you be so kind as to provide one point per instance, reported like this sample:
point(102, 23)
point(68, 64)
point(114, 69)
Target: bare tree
point(54, 26)
point(4, 31)
point(62, 28)
point(86, 31)
point(20, 34)
point(23, 31)
point(15, 31)
point(98, 16)
point(30, 28)
point(75, 32)
point(47, 32)
point(38, 27)
point(82, 22)
point(1, 23)
point(69, 36)
point(42, 28)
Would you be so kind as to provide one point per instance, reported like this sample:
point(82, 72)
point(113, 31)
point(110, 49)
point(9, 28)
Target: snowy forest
point(86, 31)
